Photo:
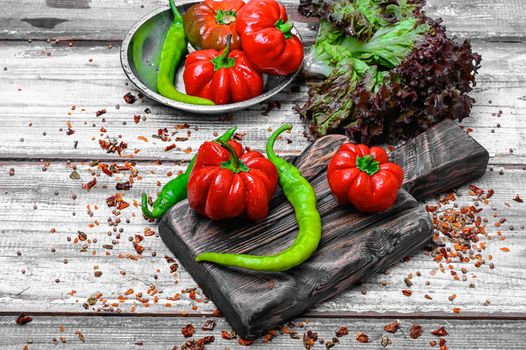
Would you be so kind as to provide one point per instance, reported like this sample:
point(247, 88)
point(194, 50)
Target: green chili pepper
point(174, 48)
point(303, 199)
point(175, 190)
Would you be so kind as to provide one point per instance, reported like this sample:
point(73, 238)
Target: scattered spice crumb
point(385, 341)
point(188, 330)
point(129, 98)
point(342, 331)
point(415, 331)
point(362, 337)
point(440, 331)
point(22, 319)
point(392, 327)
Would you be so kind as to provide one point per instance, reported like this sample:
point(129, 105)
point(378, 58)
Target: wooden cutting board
point(353, 245)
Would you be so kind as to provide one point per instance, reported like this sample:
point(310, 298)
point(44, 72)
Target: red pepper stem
point(235, 164)
point(225, 16)
point(368, 164)
point(223, 61)
point(285, 27)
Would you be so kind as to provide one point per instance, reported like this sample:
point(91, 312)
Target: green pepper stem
point(228, 134)
point(285, 27)
point(223, 61)
point(177, 15)
point(368, 164)
point(225, 17)
point(234, 164)
point(270, 143)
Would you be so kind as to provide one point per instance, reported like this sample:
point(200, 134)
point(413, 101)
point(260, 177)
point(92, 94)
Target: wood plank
point(165, 332)
point(353, 246)
point(504, 285)
point(101, 84)
point(66, 20)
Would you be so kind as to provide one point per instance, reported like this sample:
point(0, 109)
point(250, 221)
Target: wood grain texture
point(66, 20)
point(30, 186)
point(50, 85)
point(353, 246)
point(100, 84)
point(165, 332)
point(454, 156)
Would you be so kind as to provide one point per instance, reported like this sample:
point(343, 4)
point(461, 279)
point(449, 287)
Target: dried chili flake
point(245, 342)
point(361, 337)
point(123, 205)
point(477, 190)
point(269, 335)
point(81, 336)
point(342, 331)
point(407, 292)
point(22, 319)
point(113, 146)
point(138, 248)
point(112, 201)
point(505, 249)
point(518, 199)
point(170, 147)
point(309, 338)
point(82, 236)
point(105, 169)
point(129, 98)
point(415, 331)
point(123, 186)
point(209, 325)
point(392, 327)
point(188, 330)
point(90, 184)
point(100, 112)
point(206, 340)
point(440, 331)
point(228, 335)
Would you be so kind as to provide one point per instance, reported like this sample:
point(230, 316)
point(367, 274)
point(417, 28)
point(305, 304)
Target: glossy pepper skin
point(223, 77)
point(266, 37)
point(227, 182)
point(364, 178)
point(208, 24)
point(174, 49)
point(174, 190)
point(302, 197)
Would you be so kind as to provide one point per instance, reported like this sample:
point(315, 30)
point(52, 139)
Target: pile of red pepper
point(237, 43)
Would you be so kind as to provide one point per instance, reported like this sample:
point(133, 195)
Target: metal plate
point(140, 55)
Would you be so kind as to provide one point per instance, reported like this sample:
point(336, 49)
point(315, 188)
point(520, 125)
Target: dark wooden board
point(353, 245)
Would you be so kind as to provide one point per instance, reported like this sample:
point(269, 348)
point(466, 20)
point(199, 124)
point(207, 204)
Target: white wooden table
point(59, 65)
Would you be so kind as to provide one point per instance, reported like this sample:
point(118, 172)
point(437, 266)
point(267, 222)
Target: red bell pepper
point(208, 24)
point(364, 178)
point(266, 37)
point(227, 182)
point(222, 77)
